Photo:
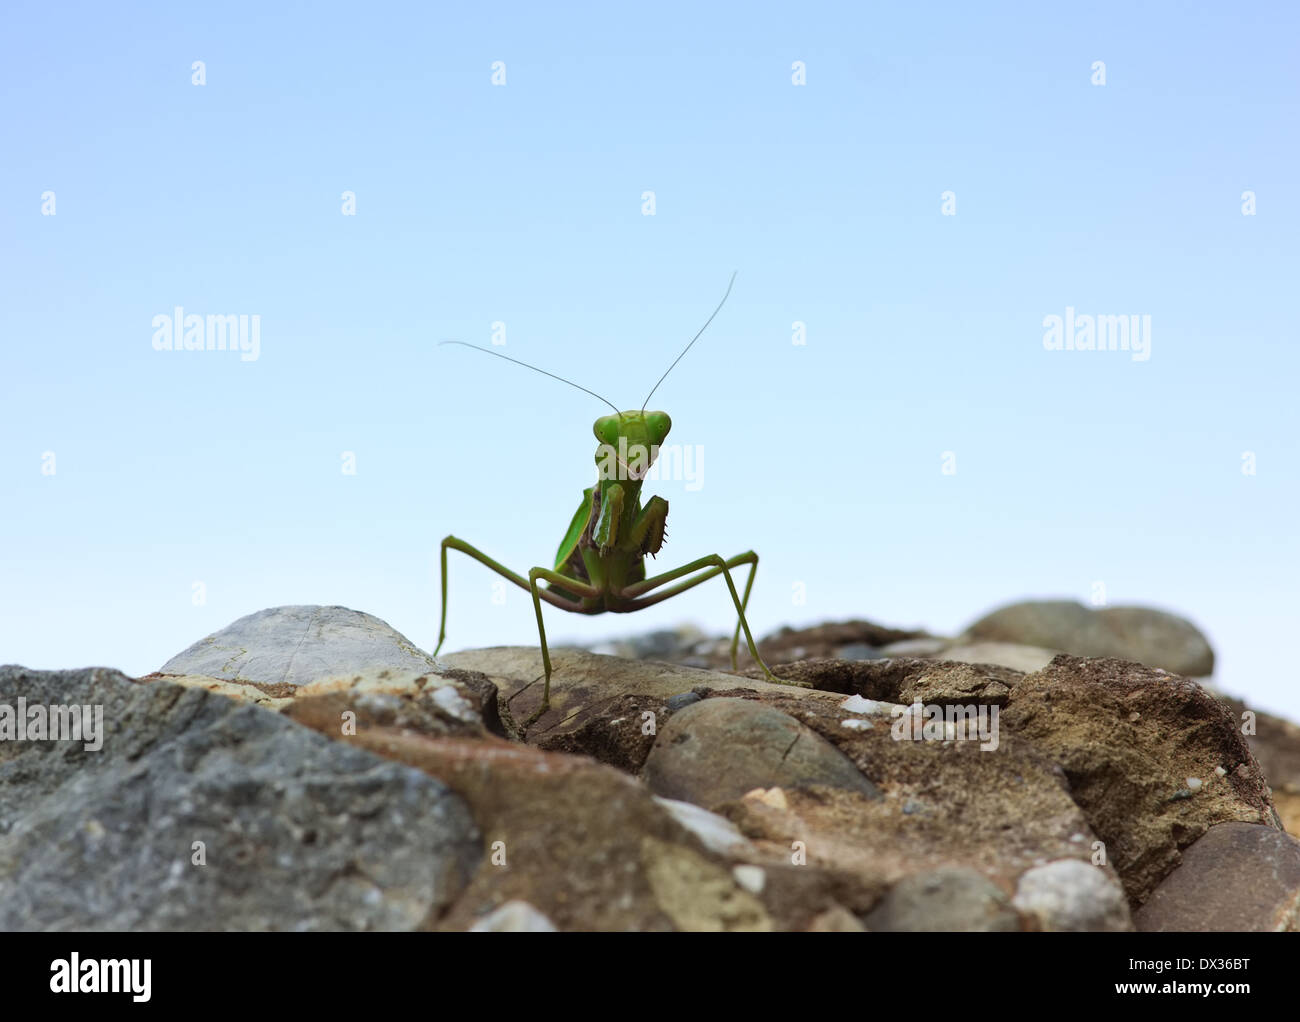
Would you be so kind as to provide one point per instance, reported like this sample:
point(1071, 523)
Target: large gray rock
point(1141, 634)
point(299, 645)
point(299, 832)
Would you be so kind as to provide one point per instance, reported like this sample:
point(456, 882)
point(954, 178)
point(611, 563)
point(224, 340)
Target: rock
point(590, 847)
point(298, 645)
point(1141, 634)
point(669, 644)
point(1072, 896)
point(286, 655)
point(946, 900)
point(928, 647)
point(946, 804)
point(1125, 771)
point(700, 895)
point(751, 878)
point(837, 919)
point(1276, 744)
point(298, 832)
point(716, 833)
point(1237, 877)
point(718, 749)
point(589, 691)
point(514, 917)
point(689, 648)
point(1005, 654)
point(858, 651)
point(653, 796)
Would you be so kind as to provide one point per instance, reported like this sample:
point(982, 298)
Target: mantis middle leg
point(571, 585)
point(709, 567)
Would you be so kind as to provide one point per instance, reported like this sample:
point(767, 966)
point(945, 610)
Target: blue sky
point(523, 204)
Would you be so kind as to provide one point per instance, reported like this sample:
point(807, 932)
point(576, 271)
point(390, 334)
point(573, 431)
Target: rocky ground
point(310, 768)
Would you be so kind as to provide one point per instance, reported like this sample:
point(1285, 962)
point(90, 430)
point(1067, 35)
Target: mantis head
point(630, 442)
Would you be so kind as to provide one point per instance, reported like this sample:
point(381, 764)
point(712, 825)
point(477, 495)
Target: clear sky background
point(522, 204)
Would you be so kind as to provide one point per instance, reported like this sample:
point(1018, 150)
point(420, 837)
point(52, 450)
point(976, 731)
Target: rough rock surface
point(375, 788)
point(297, 832)
point(1129, 738)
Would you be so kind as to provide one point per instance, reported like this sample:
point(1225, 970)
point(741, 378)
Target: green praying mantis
point(600, 565)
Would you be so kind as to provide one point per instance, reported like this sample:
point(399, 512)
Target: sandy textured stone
point(1128, 737)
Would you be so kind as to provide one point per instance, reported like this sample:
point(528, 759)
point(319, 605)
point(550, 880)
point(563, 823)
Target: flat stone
point(721, 748)
point(1238, 876)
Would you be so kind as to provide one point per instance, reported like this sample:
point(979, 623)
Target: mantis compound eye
point(657, 425)
point(606, 429)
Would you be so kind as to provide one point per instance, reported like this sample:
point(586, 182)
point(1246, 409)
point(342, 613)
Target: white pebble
point(452, 702)
point(856, 724)
point(751, 878)
point(857, 704)
point(1193, 784)
point(1220, 771)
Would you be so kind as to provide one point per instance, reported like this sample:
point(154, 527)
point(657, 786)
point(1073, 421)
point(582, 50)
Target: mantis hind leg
point(572, 585)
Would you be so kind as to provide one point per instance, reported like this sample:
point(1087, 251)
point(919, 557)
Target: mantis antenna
point(688, 347)
point(489, 351)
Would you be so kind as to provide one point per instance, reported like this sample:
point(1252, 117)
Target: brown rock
point(1128, 738)
point(1239, 876)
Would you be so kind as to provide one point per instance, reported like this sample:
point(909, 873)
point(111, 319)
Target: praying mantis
point(600, 564)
